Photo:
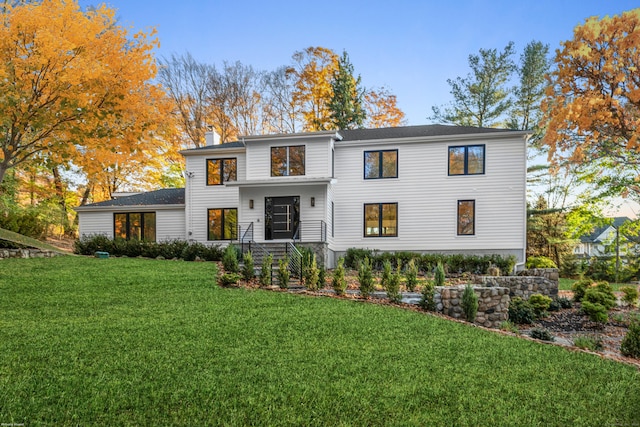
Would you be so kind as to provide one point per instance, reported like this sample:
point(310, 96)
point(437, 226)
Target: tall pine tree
point(346, 104)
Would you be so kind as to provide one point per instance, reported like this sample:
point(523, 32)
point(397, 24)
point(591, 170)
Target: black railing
point(311, 231)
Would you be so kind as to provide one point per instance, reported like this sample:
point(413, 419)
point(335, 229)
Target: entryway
point(281, 217)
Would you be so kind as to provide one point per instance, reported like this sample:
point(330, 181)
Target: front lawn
point(87, 341)
point(565, 284)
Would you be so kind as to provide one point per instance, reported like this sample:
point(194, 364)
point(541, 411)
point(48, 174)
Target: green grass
point(565, 284)
point(87, 341)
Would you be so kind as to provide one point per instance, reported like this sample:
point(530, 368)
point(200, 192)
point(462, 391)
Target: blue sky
point(410, 46)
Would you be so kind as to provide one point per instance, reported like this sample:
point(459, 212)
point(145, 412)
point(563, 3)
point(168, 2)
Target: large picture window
point(466, 217)
point(381, 164)
point(135, 226)
point(287, 161)
point(220, 171)
point(222, 224)
point(466, 160)
point(380, 220)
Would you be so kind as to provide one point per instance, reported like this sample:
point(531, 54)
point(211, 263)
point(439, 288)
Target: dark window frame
point(234, 236)
point(288, 159)
point(466, 159)
point(380, 164)
point(222, 173)
point(380, 219)
point(143, 225)
point(459, 226)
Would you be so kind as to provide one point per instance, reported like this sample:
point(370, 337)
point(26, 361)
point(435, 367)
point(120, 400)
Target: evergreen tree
point(346, 104)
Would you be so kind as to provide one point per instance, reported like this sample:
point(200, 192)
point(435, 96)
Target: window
point(220, 171)
point(380, 220)
point(466, 160)
point(222, 224)
point(287, 161)
point(135, 225)
point(466, 217)
point(381, 164)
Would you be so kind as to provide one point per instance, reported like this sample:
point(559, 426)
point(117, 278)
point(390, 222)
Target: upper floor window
point(220, 171)
point(380, 220)
point(222, 224)
point(466, 160)
point(287, 161)
point(381, 164)
point(466, 217)
point(135, 226)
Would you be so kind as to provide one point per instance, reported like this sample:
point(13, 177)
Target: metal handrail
point(295, 259)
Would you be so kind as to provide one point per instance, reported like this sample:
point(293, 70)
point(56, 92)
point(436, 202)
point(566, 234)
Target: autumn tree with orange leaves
point(74, 86)
point(592, 107)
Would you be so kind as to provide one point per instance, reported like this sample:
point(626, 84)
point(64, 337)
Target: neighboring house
point(433, 188)
point(602, 241)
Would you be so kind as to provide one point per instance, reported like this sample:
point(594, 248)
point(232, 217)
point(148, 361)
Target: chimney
point(211, 137)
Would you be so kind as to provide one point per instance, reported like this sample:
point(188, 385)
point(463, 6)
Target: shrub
point(229, 279)
point(540, 304)
point(428, 299)
point(564, 302)
point(540, 262)
point(630, 295)
point(601, 294)
point(521, 312)
point(248, 272)
point(469, 303)
point(541, 334)
point(230, 259)
point(630, 345)
point(266, 270)
point(322, 277)
point(509, 326)
point(355, 256)
point(312, 274)
point(386, 274)
point(365, 277)
point(596, 312)
point(393, 285)
point(579, 288)
point(283, 272)
point(411, 275)
point(338, 282)
point(439, 275)
point(588, 342)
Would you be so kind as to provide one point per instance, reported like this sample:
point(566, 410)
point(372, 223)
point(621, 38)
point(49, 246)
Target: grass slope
point(87, 341)
point(27, 241)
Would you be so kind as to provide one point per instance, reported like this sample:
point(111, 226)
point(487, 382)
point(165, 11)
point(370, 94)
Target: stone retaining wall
point(26, 253)
point(533, 281)
point(493, 303)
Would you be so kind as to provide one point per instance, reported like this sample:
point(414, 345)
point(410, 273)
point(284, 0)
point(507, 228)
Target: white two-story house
point(432, 188)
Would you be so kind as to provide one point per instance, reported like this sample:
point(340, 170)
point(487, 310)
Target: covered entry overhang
point(283, 209)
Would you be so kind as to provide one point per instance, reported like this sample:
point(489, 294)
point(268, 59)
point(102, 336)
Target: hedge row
point(181, 249)
point(453, 264)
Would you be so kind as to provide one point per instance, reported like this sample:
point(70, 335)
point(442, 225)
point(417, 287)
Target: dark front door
point(281, 217)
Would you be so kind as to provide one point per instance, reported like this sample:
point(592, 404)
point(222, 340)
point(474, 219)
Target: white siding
point(90, 223)
point(199, 197)
point(170, 225)
point(427, 198)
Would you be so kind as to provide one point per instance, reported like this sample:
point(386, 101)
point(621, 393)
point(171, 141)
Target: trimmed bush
point(392, 286)
point(428, 299)
point(630, 345)
point(601, 293)
point(521, 312)
point(229, 279)
point(365, 277)
point(469, 303)
point(283, 273)
point(540, 304)
point(230, 259)
point(411, 275)
point(630, 295)
point(266, 270)
point(338, 282)
point(541, 334)
point(540, 262)
point(580, 287)
point(596, 312)
point(439, 275)
point(248, 272)
point(386, 274)
point(312, 274)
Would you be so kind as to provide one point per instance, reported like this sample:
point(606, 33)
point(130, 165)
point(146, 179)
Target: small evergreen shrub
point(564, 302)
point(283, 272)
point(229, 279)
point(630, 345)
point(248, 272)
point(541, 334)
point(629, 295)
point(469, 303)
point(540, 304)
point(596, 312)
point(521, 312)
point(588, 342)
point(386, 274)
point(393, 286)
point(322, 277)
point(355, 256)
point(312, 275)
point(540, 262)
point(411, 275)
point(338, 282)
point(428, 299)
point(439, 275)
point(602, 294)
point(365, 277)
point(266, 270)
point(230, 259)
point(580, 287)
